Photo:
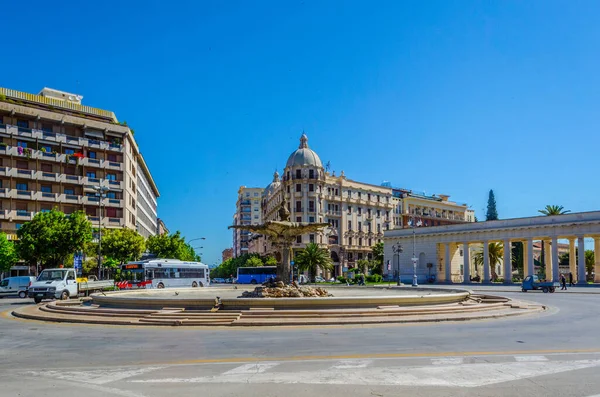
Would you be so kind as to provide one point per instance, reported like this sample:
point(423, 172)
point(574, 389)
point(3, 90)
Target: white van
point(15, 286)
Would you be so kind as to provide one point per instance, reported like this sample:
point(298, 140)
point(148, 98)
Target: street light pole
point(414, 258)
point(397, 249)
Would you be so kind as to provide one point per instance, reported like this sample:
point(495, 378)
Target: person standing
point(563, 282)
point(570, 279)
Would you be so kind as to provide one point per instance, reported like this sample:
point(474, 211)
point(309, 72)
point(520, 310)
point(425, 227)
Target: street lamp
point(397, 248)
point(414, 257)
point(196, 239)
point(101, 193)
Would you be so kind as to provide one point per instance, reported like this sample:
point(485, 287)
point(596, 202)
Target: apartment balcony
point(334, 213)
point(112, 165)
point(115, 147)
point(24, 194)
point(4, 192)
point(20, 215)
point(45, 196)
point(69, 178)
point(115, 185)
point(46, 176)
point(113, 202)
point(90, 200)
point(69, 198)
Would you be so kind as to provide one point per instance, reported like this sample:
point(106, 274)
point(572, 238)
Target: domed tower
point(303, 184)
point(271, 197)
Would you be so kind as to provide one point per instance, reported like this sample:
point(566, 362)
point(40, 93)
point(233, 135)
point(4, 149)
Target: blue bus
point(256, 275)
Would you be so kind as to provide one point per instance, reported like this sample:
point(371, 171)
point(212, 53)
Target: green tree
point(362, 265)
point(254, 262)
point(123, 245)
point(517, 258)
point(270, 261)
point(492, 213)
point(171, 246)
point(313, 258)
point(50, 237)
point(377, 267)
point(551, 210)
point(589, 262)
point(8, 256)
point(495, 255)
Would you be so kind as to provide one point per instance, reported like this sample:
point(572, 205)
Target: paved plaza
point(552, 354)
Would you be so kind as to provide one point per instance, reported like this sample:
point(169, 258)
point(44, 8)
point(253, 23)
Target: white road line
point(524, 359)
point(347, 364)
point(247, 369)
point(96, 377)
point(466, 375)
point(448, 361)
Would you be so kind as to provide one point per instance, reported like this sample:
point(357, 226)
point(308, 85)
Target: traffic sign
point(292, 263)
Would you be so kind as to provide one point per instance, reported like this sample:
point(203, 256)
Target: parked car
point(16, 286)
point(218, 280)
point(320, 279)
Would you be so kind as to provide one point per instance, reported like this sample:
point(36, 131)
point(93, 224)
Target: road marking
point(447, 361)
point(347, 364)
point(466, 375)
point(371, 356)
point(530, 358)
point(95, 377)
point(246, 369)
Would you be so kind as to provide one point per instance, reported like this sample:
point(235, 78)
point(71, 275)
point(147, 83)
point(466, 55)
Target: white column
point(597, 259)
point(548, 259)
point(528, 248)
point(466, 264)
point(555, 270)
point(580, 261)
point(507, 262)
point(572, 258)
point(486, 262)
point(447, 263)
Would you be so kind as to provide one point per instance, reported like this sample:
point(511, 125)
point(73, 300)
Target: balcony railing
point(23, 213)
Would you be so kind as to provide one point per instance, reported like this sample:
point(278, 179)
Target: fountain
point(283, 233)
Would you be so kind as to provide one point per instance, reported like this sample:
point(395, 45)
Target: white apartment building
point(248, 212)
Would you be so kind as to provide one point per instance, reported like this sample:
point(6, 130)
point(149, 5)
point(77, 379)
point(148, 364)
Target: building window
point(255, 194)
point(359, 211)
point(22, 144)
point(349, 225)
point(298, 187)
point(91, 174)
point(47, 148)
point(311, 206)
point(370, 242)
point(349, 193)
point(23, 123)
point(288, 189)
point(92, 155)
point(378, 213)
point(247, 194)
point(349, 243)
point(336, 192)
point(111, 177)
point(311, 173)
point(111, 195)
point(349, 209)
point(22, 186)
point(311, 238)
point(368, 196)
point(70, 190)
point(69, 151)
point(18, 226)
point(298, 174)
point(298, 219)
point(311, 219)
point(255, 216)
point(360, 242)
point(299, 239)
point(360, 226)
point(255, 209)
point(369, 213)
point(311, 187)
point(46, 189)
point(359, 194)
point(378, 228)
point(298, 206)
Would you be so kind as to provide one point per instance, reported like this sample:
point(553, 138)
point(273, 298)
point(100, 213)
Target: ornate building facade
point(358, 213)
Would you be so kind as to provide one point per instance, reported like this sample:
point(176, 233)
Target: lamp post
point(414, 258)
point(101, 193)
point(397, 248)
point(196, 239)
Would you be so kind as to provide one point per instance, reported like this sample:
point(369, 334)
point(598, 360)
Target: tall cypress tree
point(492, 214)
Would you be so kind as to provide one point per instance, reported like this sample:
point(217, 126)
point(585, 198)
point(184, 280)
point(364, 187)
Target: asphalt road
point(553, 354)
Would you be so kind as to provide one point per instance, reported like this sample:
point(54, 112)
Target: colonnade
point(551, 259)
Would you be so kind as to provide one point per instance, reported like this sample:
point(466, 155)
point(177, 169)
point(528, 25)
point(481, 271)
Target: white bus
point(163, 273)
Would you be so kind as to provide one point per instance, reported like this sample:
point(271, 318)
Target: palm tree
point(313, 258)
point(550, 210)
point(495, 255)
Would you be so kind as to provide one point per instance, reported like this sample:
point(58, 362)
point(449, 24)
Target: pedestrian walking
point(570, 279)
point(563, 282)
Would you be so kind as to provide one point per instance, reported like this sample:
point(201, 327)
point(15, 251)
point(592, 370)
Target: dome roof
point(304, 155)
point(271, 187)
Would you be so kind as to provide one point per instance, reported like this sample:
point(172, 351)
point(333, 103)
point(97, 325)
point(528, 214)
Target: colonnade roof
point(573, 225)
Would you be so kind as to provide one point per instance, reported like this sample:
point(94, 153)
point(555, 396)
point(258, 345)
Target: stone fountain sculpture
point(283, 234)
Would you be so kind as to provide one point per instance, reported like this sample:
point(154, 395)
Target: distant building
point(248, 212)
point(358, 213)
point(162, 228)
point(227, 254)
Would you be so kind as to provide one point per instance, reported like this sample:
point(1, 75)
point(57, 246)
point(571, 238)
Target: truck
point(63, 284)
point(534, 283)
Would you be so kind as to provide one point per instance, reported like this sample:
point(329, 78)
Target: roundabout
point(226, 307)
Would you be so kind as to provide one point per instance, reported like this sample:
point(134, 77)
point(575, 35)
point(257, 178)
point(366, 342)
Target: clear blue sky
point(451, 97)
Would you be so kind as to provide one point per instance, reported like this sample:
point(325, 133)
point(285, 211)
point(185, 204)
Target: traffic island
point(348, 306)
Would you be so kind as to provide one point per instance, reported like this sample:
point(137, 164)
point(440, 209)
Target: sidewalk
point(576, 289)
